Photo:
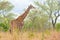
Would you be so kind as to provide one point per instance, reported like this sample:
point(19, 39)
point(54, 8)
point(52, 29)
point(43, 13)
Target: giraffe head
point(31, 6)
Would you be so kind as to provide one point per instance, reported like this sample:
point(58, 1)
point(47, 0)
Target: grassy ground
point(52, 35)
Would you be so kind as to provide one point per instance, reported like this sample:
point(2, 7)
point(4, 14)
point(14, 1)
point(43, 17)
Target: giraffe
point(18, 23)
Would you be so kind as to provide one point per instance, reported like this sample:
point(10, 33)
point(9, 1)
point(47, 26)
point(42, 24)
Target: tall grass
point(52, 35)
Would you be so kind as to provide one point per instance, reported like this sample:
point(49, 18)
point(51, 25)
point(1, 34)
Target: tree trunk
point(53, 25)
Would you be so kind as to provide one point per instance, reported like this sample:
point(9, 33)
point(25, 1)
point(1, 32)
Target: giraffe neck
point(22, 17)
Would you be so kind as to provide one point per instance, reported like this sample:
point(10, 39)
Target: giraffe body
point(18, 23)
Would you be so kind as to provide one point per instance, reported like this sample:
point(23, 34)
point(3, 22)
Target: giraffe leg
point(20, 26)
point(11, 27)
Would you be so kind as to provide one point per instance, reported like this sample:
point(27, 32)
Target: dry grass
point(53, 35)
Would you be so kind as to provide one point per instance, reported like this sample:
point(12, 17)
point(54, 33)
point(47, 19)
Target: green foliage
point(58, 26)
point(4, 27)
point(51, 8)
point(44, 16)
point(5, 15)
point(5, 5)
point(35, 21)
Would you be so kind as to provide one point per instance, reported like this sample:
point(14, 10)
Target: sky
point(20, 5)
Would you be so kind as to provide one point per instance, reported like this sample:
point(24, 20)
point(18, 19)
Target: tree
point(36, 20)
point(52, 8)
point(5, 14)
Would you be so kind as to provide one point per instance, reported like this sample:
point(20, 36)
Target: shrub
point(4, 27)
point(58, 26)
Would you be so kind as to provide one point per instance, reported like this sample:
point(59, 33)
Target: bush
point(58, 26)
point(4, 27)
